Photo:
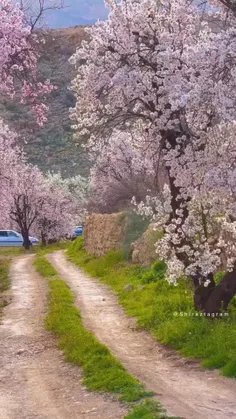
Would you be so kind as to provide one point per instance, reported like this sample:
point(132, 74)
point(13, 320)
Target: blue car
point(78, 231)
point(11, 238)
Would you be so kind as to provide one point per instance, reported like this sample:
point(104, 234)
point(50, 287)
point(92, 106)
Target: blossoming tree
point(123, 169)
point(19, 58)
point(30, 201)
point(35, 205)
point(25, 198)
point(164, 67)
point(63, 207)
point(10, 157)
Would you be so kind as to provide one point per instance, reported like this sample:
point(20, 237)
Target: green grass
point(146, 295)
point(44, 268)
point(12, 251)
point(147, 410)
point(40, 250)
point(102, 371)
point(4, 281)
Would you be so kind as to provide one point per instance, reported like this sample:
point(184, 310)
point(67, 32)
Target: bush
point(156, 273)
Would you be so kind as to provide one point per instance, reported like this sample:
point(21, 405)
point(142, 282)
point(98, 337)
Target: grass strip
point(4, 281)
point(165, 310)
point(4, 274)
point(102, 371)
point(44, 250)
point(147, 410)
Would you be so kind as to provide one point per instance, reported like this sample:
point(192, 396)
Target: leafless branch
point(35, 11)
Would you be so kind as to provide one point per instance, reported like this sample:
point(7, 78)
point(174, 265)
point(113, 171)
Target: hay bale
point(104, 232)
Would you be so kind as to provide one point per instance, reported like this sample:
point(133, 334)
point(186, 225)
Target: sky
point(77, 12)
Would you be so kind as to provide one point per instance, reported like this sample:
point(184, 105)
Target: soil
point(35, 381)
point(182, 386)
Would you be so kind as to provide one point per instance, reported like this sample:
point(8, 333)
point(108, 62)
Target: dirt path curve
point(35, 382)
point(182, 386)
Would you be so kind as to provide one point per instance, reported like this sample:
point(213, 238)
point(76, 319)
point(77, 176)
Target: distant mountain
point(52, 147)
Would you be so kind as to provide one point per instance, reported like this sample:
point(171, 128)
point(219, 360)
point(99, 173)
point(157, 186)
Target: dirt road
point(35, 382)
point(182, 386)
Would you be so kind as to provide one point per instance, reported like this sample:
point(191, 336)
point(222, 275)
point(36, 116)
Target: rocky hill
point(52, 147)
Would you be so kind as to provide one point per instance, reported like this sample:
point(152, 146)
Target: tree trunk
point(44, 240)
point(230, 4)
point(202, 293)
point(214, 298)
point(26, 241)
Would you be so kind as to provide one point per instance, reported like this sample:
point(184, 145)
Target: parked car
point(78, 231)
point(12, 238)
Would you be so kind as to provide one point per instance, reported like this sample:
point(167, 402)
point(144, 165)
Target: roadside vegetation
point(102, 371)
point(41, 250)
point(4, 281)
point(165, 310)
point(147, 410)
point(12, 251)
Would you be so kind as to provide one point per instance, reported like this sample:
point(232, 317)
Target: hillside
point(52, 147)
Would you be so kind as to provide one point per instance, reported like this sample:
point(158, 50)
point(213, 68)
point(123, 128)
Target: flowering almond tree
point(56, 220)
point(76, 186)
point(30, 201)
point(10, 157)
point(60, 211)
point(123, 169)
point(36, 205)
point(162, 66)
point(20, 185)
point(11, 154)
point(25, 197)
point(19, 59)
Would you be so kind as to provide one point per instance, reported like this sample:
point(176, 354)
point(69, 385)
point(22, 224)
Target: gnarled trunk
point(214, 298)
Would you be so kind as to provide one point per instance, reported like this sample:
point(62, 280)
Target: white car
point(12, 238)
